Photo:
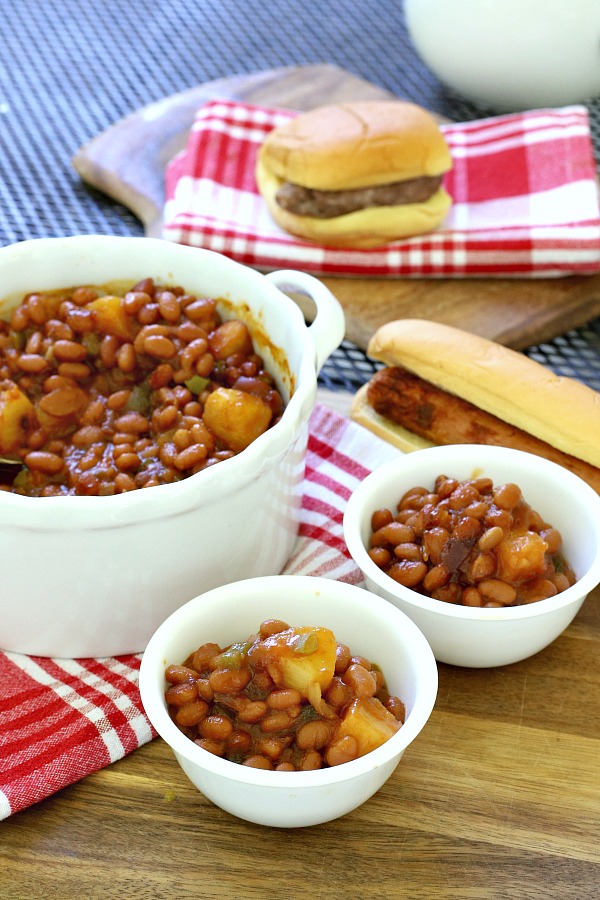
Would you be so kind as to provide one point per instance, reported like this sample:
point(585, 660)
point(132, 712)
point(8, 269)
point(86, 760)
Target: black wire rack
point(69, 69)
point(575, 354)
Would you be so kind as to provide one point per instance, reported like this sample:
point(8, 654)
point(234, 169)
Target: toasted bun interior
point(559, 410)
point(364, 414)
point(354, 145)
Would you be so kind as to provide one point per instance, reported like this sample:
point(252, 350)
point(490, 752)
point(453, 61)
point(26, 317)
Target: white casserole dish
point(95, 576)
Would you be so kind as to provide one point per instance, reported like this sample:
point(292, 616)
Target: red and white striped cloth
point(524, 189)
point(62, 719)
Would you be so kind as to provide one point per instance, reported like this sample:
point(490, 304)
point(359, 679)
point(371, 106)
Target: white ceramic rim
point(587, 582)
point(157, 712)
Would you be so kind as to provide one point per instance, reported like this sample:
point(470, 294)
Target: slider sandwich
point(442, 385)
point(356, 175)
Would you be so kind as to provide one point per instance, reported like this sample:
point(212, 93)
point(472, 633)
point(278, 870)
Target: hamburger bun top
point(352, 145)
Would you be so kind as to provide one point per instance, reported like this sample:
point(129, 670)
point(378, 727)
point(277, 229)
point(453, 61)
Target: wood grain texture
point(127, 162)
point(517, 313)
point(497, 799)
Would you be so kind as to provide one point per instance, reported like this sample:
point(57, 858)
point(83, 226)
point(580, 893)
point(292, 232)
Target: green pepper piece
point(196, 384)
point(560, 563)
point(234, 657)
point(307, 714)
point(22, 478)
point(91, 342)
point(139, 401)
point(238, 758)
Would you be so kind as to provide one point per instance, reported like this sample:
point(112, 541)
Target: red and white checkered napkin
point(524, 190)
point(61, 719)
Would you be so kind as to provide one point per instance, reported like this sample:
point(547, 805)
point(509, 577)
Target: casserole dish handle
point(328, 327)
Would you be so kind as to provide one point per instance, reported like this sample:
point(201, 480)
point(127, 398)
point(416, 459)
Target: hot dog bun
point(351, 146)
point(559, 411)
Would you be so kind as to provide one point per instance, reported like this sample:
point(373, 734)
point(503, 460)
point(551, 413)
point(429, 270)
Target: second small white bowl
point(467, 636)
point(367, 624)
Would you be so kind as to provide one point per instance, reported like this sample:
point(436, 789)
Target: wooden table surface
point(498, 797)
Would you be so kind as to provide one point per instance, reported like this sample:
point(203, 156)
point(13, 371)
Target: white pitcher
point(511, 54)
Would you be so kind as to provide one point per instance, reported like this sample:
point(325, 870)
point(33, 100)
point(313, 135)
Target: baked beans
point(286, 699)
point(104, 392)
point(470, 543)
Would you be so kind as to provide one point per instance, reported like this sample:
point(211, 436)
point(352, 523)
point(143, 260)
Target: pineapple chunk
point(236, 418)
point(110, 317)
point(522, 556)
point(369, 722)
point(302, 658)
point(17, 418)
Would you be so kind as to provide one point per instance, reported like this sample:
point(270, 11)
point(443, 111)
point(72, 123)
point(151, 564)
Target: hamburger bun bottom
point(364, 414)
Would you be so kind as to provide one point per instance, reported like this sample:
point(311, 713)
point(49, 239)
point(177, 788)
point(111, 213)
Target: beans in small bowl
point(251, 768)
point(479, 603)
point(286, 698)
point(470, 542)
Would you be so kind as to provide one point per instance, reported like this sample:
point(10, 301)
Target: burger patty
point(326, 204)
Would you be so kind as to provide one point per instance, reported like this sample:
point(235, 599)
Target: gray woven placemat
point(71, 68)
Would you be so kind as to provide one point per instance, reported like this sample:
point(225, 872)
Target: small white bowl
point(367, 624)
point(474, 637)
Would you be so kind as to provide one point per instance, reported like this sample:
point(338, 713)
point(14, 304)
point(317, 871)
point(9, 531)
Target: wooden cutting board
point(127, 162)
